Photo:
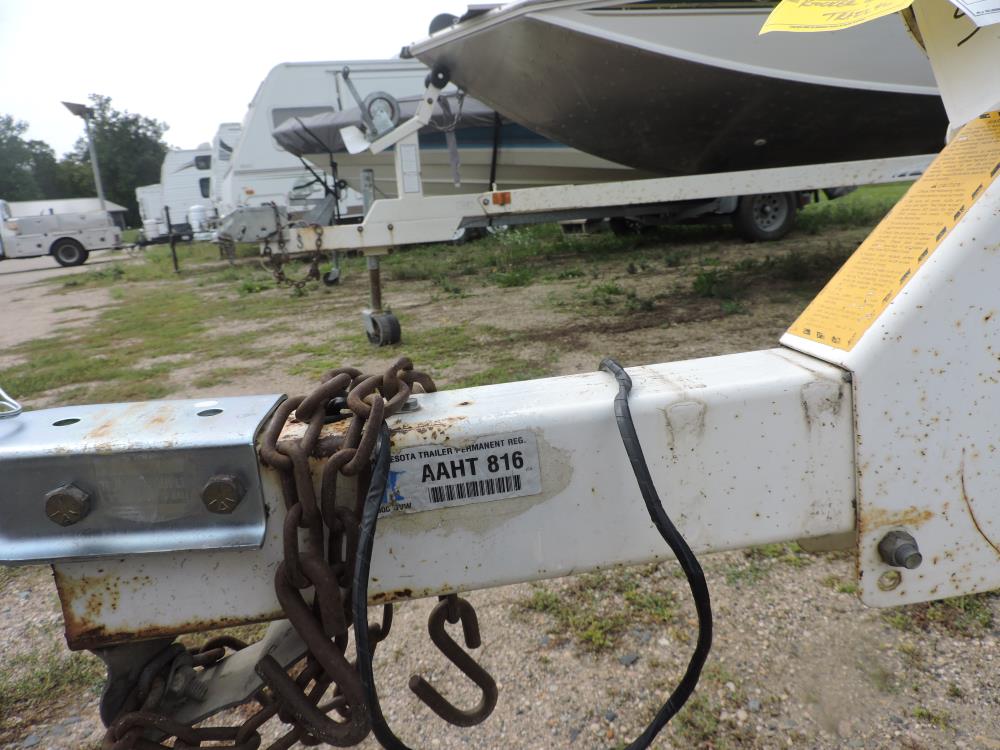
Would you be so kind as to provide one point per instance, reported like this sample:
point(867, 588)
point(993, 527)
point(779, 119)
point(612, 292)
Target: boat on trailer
point(465, 148)
point(683, 88)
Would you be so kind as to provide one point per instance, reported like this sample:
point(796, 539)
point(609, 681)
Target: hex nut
point(222, 493)
point(66, 505)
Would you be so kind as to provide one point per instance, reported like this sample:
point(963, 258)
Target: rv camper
point(150, 200)
point(184, 204)
point(224, 145)
point(261, 172)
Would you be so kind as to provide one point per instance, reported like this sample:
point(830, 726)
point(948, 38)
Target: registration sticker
point(429, 477)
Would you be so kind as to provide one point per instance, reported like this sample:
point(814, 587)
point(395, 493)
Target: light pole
point(82, 110)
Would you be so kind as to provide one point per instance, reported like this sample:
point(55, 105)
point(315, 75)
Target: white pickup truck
point(69, 238)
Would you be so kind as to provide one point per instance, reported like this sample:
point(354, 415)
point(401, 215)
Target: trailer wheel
point(766, 217)
point(384, 330)
point(69, 252)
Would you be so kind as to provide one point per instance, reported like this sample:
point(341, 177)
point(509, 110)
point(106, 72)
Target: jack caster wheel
point(383, 329)
point(332, 277)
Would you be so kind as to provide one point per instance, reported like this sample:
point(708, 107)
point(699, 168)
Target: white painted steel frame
point(926, 381)
point(404, 221)
point(745, 449)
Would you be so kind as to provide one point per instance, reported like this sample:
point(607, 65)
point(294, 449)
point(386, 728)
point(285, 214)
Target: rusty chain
point(274, 262)
point(320, 537)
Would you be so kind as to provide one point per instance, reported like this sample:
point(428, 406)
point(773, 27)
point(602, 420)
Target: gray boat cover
point(321, 133)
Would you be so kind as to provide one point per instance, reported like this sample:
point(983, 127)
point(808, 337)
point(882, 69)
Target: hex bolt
point(222, 493)
point(67, 504)
point(900, 550)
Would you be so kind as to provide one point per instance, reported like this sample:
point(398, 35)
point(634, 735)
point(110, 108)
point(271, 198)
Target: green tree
point(130, 151)
point(17, 178)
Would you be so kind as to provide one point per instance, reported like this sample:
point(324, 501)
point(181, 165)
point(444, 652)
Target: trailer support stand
point(381, 326)
point(375, 283)
point(173, 239)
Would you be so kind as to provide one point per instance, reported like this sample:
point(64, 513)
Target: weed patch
point(969, 616)
point(759, 561)
point(940, 719)
point(594, 609)
point(35, 678)
point(514, 277)
point(864, 207)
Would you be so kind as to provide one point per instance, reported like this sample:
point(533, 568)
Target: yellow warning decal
point(888, 259)
point(828, 15)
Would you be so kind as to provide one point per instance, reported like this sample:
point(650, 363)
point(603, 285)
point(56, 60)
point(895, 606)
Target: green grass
point(804, 270)
point(123, 354)
point(594, 609)
point(939, 719)
point(841, 585)
point(864, 207)
point(758, 562)
point(698, 722)
point(699, 725)
point(161, 321)
point(34, 678)
point(968, 616)
point(154, 263)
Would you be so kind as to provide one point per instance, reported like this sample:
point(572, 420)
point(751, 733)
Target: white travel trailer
point(185, 194)
point(150, 200)
point(261, 171)
point(224, 145)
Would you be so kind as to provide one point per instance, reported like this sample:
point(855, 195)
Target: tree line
point(130, 149)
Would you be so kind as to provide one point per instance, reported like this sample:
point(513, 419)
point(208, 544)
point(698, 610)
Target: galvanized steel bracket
point(123, 479)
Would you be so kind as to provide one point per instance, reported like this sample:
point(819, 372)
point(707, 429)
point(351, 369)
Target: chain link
point(274, 262)
point(320, 541)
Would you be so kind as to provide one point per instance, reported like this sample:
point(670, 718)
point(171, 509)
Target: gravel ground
point(584, 662)
point(796, 663)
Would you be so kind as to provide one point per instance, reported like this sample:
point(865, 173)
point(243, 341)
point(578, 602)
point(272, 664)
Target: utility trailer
point(763, 204)
point(68, 238)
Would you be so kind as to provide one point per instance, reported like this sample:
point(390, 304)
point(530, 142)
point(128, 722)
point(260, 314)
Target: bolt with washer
point(222, 493)
point(67, 505)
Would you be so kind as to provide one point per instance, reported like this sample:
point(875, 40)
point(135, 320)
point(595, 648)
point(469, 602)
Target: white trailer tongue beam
point(508, 483)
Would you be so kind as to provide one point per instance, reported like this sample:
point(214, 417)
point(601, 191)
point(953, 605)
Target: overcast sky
point(192, 64)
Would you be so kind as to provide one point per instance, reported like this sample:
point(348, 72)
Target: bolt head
point(67, 504)
point(899, 549)
point(222, 493)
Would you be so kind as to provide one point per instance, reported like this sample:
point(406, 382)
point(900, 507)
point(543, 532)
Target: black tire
point(69, 252)
point(387, 330)
point(623, 227)
point(468, 234)
point(766, 217)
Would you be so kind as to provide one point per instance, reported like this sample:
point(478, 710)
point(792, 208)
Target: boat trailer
point(414, 218)
point(871, 426)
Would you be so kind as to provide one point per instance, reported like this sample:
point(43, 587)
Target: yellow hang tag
point(900, 245)
point(828, 15)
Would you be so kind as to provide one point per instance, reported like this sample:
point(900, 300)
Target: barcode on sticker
point(491, 467)
point(447, 493)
